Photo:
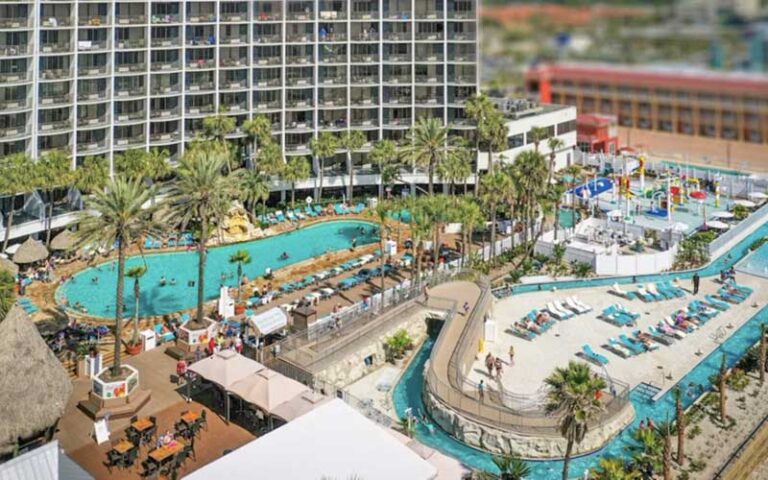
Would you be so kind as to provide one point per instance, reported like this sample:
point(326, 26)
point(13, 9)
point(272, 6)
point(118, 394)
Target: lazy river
point(94, 287)
point(408, 391)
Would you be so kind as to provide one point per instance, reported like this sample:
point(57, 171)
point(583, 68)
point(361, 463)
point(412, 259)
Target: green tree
point(217, 127)
point(7, 293)
point(491, 130)
point(496, 188)
point(456, 168)
point(574, 394)
point(131, 164)
point(554, 144)
point(762, 353)
point(384, 154)
point(721, 379)
point(270, 159)
point(52, 171)
point(511, 467)
point(258, 131)
point(136, 273)
point(92, 175)
point(615, 469)
point(529, 175)
point(254, 188)
point(381, 214)
point(352, 141)
point(664, 430)
point(296, 170)
point(679, 425)
point(199, 191)
point(420, 226)
point(323, 147)
point(116, 216)
point(470, 215)
point(240, 258)
point(536, 135)
point(16, 177)
point(429, 144)
point(647, 450)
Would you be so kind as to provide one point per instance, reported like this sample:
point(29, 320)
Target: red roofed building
point(717, 116)
point(597, 133)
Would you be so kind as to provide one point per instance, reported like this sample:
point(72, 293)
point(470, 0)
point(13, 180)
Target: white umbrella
point(679, 227)
point(615, 214)
point(717, 225)
point(745, 203)
point(722, 214)
point(758, 195)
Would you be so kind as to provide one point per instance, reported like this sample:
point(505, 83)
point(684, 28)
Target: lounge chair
point(643, 337)
point(635, 346)
point(718, 304)
point(323, 275)
point(703, 307)
point(291, 216)
point(524, 334)
point(287, 287)
point(367, 258)
point(340, 209)
point(664, 328)
point(327, 292)
point(557, 313)
point(651, 288)
point(633, 315)
point(729, 297)
point(614, 346)
point(747, 291)
point(660, 336)
point(318, 209)
point(646, 296)
point(617, 290)
point(612, 315)
point(584, 307)
point(672, 324)
point(592, 356)
point(308, 210)
point(668, 290)
point(299, 215)
point(569, 306)
point(358, 208)
point(279, 216)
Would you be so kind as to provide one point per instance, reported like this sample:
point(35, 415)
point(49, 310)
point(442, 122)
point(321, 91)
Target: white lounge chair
point(570, 303)
point(554, 307)
point(581, 305)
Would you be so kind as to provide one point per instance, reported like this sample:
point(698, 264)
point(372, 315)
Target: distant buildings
point(597, 133)
point(713, 117)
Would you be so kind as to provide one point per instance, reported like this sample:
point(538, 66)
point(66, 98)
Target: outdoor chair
point(204, 419)
point(133, 436)
point(130, 458)
point(114, 459)
point(149, 434)
point(190, 448)
point(134, 419)
point(181, 457)
point(150, 469)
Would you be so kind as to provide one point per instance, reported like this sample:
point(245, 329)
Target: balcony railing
point(397, 122)
point(398, 101)
point(56, 47)
point(427, 79)
point(397, 79)
point(269, 82)
point(429, 100)
point(165, 137)
point(235, 107)
point(233, 62)
point(298, 60)
point(131, 19)
point(462, 37)
point(15, 50)
point(88, 121)
point(166, 42)
point(365, 15)
point(367, 122)
point(166, 65)
point(332, 15)
point(365, 37)
point(55, 22)
point(299, 81)
point(299, 103)
point(201, 63)
point(430, 15)
point(54, 74)
point(16, 104)
point(93, 21)
point(397, 15)
point(335, 80)
point(203, 109)
point(365, 58)
point(91, 145)
point(461, 15)
point(234, 40)
point(299, 37)
point(273, 104)
point(463, 79)
point(199, 86)
point(333, 37)
point(365, 79)
point(334, 102)
point(432, 57)
point(268, 16)
point(201, 18)
point(16, 22)
point(234, 17)
point(334, 59)
point(169, 113)
point(161, 89)
point(55, 125)
point(131, 141)
point(132, 43)
point(397, 58)
point(300, 16)
point(14, 131)
point(93, 70)
point(234, 84)
point(54, 100)
point(165, 19)
point(296, 147)
point(130, 92)
point(88, 46)
point(267, 38)
point(131, 116)
point(84, 96)
point(363, 102)
point(134, 67)
point(268, 61)
point(430, 36)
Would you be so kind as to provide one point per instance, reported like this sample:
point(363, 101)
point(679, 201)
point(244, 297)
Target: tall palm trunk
point(8, 227)
point(116, 367)
point(381, 264)
point(136, 292)
point(350, 171)
point(667, 459)
point(761, 356)
point(201, 266)
point(381, 182)
point(293, 194)
point(239, 281)
point(493, 232)
point(49, 220)
point(431, 174)
point(567, 459)
point(320, 178)
point(680, 427)
point(557, 217)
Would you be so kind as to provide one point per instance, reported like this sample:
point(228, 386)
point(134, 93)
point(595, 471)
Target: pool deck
point(663, 368)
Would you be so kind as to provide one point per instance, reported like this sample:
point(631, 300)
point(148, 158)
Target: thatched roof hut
point(34, 387)
point(9, 266)
point(30, 251)
point(64, 241)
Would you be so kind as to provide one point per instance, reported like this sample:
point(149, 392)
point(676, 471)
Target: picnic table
point(190, 417)
point(161, 454)
point(142, 424)
point(123, 447)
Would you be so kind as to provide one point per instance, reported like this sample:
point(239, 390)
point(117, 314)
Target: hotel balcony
point(93, 21)
point(54, 22)
point(131, 19)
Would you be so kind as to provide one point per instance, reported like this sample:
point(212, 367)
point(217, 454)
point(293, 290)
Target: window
point(565, 127)
point(549, 132)
point(516, 140)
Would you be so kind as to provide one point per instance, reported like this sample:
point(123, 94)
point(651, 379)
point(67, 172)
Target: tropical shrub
point(740, 212)
point(398, 343)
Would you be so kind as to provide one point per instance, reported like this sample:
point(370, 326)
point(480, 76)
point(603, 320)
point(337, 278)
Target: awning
point(745, 203)
point(270, 321)
point(225, 368)
point(758, 196)
point(9, 266)
point(64, 241)
point(298, 406)
point(267, 389)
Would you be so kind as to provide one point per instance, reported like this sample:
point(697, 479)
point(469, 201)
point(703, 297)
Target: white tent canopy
point(718, 225)
point(745, 203)
point(267, 389)
point(758, 196)
point(722, 214)
point(270, 321)
point(331, 441)
point(226, 367)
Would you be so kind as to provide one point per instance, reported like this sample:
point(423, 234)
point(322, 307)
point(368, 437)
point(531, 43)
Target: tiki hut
point(34, 387)
point(9, 266)
point(30, 251)
point(64, 242)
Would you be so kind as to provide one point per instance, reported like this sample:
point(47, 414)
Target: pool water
point(756, 263)
point(408, 392)
point(568, 218)
point(303, 244)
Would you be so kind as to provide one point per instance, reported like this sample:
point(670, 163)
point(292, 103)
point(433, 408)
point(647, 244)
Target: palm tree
point(530, 179)
point(52, 171)
point(116, 216)
point(92, 175)
point(136, 273)
point(254, 188)
point(615, 469)
point(217, 127)
point(7, 292)
point(131, 164)
point(554, 144)
point(296, 170)
point(437, 208)
point(429, 144)
point(351, 141)
point(491, 128)
point(270, 159)
point(240, 257)
point(679, 425)
point(664, 429)
point(381, 215)
point(761, 354)
point(156, 165)
point(574, 394)
point(496, 187)
point(258, 131)
point(323, 147)
point(455, 168)
point(722, 381)
point(647, 450)
point(536, 135)
point(383, 153)
point(511, 466)
point(199, 190)
point(420, 227)
point(556, 193)
point(470, 215)
point(16, 177)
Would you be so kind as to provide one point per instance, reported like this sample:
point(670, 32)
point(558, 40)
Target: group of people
point(728, 274)
point(494, 363)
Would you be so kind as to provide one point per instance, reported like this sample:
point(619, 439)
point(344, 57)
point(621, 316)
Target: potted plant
point(134, 344)
point(82, 350)
point(397, 344)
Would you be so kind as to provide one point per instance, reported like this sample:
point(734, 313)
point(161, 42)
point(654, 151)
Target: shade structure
point(34, 386)
point(745, 203)
point(717, 225)
point(30, 251)
point(722, 214)
point(9, 266)
point(225, 368)
point(758, 196)
point(267, 389)
point(270, 321)
point(298, 406)
point(12, 249)
point(331, 441)
point(679, 227)
point(65, 241)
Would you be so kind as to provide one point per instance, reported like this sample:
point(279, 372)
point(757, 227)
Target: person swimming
point(173, 281)
point(163, 281)
point(284, 256)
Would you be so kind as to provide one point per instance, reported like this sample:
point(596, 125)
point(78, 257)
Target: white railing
point(747, 226)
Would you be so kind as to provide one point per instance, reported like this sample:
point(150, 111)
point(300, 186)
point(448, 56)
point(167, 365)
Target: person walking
point(696, 280)
point(481, 390)
point(489, 363)
point(499, 367)
point(511, 355)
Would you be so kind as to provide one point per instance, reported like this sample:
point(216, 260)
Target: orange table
point(142, 424)
point(190, 417)
point(161, 454)
point(123, 447)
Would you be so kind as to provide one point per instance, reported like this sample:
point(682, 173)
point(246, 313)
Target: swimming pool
point(408, 391)
point(756, 263)
point(99, 296)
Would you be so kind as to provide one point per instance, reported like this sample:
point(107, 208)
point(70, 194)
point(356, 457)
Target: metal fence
point(366, 407)
point(745, 227)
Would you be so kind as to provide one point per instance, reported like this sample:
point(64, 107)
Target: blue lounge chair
point(633, 315)
point(593, 356)
point(280, 217)
point(287, 287)
point(633, 345)
point(616, 317)
point(668, 290)
point(718, 304)
point(309, 212)
point(358, 208)
point(747, 291)
point(348, 283)
point(149, 243)
point(645, 295)
point(729, 297)
point(318, 209)
point(524, 334)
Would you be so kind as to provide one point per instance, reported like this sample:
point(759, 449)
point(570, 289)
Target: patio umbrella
point(722, 214)
point(65, 241)
point(679, 227)
point(717, 225)
point(745, 203)
point(758, 196)
point(30, 251)
point(225, 368)
point(9, 266)
point(698, 195)
point(300, 405)
point(267, 389)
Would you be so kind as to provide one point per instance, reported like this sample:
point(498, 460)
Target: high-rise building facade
point(94, 78)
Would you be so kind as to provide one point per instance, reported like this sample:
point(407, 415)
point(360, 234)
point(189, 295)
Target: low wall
point(736, 234)
point(636, 264)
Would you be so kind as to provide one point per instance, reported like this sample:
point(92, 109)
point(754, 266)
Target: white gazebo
point(331, 441)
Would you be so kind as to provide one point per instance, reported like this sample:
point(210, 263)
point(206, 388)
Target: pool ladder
point(648, 391)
